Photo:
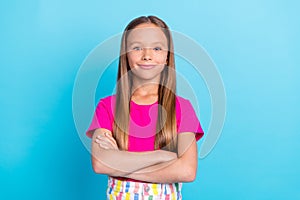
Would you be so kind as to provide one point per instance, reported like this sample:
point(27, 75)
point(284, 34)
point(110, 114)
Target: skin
point(146, 46)
point(108, 159)
point(147, 57)
point(162, 172)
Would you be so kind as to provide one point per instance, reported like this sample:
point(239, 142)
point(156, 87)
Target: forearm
point(183, 169)
point(109, 160)
point(167, 172)
point(121, 163)
point(155, 166)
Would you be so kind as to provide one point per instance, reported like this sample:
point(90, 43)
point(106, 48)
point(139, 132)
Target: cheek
point(131, 59)
point(162, 58)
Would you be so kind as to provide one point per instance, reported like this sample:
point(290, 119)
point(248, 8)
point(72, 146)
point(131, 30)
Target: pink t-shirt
point(142, 125)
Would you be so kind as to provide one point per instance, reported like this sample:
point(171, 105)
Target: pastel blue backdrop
point(255, 45)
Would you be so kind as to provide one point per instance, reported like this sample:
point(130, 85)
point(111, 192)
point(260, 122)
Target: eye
point(157, 49)
point(137, 48)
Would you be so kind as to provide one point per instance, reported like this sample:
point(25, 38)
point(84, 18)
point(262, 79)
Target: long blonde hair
point(166, 132)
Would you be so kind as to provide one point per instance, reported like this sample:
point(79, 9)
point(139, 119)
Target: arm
point(182, 169)
point(120, 163)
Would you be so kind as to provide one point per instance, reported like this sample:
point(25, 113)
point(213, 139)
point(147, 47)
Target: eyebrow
point(137, 42)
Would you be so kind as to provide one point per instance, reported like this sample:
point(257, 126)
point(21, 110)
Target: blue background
point(255, 45)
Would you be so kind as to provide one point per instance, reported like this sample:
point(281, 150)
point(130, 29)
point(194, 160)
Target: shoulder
point(182, 103)
point(181, 99)
point(108, 100)
point(107, 103)
point(184, 106)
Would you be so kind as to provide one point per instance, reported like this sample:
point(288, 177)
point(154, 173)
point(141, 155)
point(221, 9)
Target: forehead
point(147, 34)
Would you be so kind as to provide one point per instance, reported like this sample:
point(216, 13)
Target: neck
point(144, 93)
point(144, 89)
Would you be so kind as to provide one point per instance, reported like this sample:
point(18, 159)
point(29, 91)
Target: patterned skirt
point(130, 190)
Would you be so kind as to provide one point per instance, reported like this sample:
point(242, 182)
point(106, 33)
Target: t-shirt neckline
point(143, 104)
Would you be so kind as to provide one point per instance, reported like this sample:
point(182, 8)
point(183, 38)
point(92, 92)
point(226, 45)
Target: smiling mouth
point(146, 66)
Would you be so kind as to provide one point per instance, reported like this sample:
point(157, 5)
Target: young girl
point(144, 137)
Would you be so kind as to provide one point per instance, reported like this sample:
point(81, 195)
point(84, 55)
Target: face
point(147, 51)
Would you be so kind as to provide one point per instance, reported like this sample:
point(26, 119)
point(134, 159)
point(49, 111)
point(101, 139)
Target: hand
point(106, 141)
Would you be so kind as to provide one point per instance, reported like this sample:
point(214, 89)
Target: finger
point(111, 138)
point(100, 137)
point(102, 141)
point(108, 138)
point(108, 135)
point(105, 144)
point(108, 144)
point(98, 141)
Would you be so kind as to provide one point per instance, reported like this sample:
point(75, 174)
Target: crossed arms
point(153, 166)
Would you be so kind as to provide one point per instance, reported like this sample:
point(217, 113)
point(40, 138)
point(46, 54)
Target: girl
point(144, 136)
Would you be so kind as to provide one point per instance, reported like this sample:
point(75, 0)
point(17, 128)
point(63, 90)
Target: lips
point(148, 66)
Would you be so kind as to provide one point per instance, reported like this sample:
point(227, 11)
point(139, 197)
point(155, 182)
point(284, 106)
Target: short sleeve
point(187, 119)
point(102, 117)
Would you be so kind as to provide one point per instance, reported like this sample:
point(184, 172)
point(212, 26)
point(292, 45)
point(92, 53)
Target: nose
point(146, 54)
